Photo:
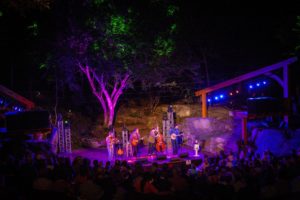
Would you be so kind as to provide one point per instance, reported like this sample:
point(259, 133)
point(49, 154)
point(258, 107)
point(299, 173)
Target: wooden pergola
point(7, 92)
point(267, 71)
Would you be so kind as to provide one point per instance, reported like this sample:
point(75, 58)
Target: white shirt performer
point(110, 146)
point(196, 148)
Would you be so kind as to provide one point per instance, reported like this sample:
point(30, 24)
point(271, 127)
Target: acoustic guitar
point(120, 152)
point(134, 142)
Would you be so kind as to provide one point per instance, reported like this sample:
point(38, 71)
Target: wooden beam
point(246, 76)
point(276, 78)
point(204, 106)
point(244, 130)
point(17, 97)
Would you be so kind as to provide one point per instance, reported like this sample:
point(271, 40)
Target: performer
point(174, 133)
point(151, 140)
point(110, 145)
point(134, 140)
point(196, 148)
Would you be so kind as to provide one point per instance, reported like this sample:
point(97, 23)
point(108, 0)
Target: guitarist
point(174, 133)
point(134, 140)
point(151, 140)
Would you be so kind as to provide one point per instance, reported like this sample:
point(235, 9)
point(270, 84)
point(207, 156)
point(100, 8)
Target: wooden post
point(286, 92)
point(244, 130)
point(204, 104)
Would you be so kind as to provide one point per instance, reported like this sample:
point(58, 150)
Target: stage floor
point(185, 154)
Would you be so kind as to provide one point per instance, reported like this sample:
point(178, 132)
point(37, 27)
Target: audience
point(31, 174)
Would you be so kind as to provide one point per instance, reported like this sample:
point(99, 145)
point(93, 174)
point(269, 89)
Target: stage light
point(209, 100)
point(264, 82)
point(250, 86)
point(221, 96)
point(237, 91)
point(257, 84)
point(216, 98)
point(230, 93)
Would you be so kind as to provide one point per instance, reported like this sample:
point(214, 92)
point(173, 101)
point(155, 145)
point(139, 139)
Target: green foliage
point(123, 50)
point(95, 46)
point(118, 25)
point(33, 28)
point(172, 10)
point(173, 28)
point(91, 22)
point(98, 3)
point(297, 30)
point(164, 47)
point(42, 66)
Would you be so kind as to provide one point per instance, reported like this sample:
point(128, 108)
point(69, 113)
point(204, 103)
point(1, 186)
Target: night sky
point(236, 44)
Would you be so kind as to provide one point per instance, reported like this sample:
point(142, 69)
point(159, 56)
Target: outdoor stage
point(185, 155)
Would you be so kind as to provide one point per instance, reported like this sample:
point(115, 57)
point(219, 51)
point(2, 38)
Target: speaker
point(161, 157)
point(142, 160)
point(184, 155)
point(27, 121)
point(175, 159)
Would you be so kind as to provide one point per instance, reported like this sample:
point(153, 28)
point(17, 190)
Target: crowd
point(40, 174)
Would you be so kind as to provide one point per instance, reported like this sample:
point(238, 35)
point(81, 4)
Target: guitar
point(120, 152)
point(134, 142)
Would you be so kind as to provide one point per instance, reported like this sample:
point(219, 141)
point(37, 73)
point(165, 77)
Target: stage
point(185, 155)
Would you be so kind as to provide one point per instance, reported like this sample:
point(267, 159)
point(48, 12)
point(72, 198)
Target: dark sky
point(236, 44)
point(241, 43)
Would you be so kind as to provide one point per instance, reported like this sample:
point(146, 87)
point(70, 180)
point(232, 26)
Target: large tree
point(115, 45)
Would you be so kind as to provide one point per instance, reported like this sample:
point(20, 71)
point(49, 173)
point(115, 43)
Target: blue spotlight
point(257, 84)
point(264, 82)
point(209, 100)
point(221, 96)
point(250, 86)
point(216, 98)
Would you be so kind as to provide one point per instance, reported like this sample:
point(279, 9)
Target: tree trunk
point(111, 117)
point(108, 100)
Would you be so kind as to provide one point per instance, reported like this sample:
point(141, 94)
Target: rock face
point(220, 131)
point(216, 133)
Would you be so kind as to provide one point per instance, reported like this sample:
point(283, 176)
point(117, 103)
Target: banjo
point(174, 136)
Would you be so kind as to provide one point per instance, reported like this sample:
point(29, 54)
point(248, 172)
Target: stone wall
point(218, 132)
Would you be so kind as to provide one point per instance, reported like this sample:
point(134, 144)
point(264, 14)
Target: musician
point(110, 145)
point(134, 140)
point(196, 148)
point(175, 133)
point(151, 140)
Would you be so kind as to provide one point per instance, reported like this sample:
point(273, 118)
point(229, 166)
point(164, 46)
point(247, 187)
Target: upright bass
point(160, 143)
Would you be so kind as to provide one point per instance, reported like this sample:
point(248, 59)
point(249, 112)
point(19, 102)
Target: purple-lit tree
point(114, 46)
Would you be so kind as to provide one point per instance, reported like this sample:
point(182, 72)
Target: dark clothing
point(175, 140)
